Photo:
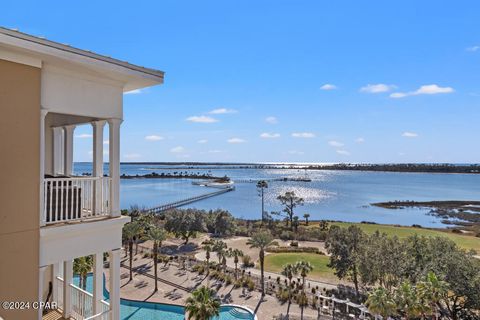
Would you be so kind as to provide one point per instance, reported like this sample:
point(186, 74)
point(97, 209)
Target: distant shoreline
point(454, 212)
point(401, 167)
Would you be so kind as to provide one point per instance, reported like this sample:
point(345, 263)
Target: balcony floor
point(53, 315)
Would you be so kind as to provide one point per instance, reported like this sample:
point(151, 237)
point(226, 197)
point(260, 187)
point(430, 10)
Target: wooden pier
point(184, 202)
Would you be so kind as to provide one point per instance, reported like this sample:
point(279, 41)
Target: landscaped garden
point(295, 266)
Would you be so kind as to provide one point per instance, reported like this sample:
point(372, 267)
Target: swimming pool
point(139, 310)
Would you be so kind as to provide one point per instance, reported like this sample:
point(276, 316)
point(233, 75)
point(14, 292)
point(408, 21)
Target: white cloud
point(360, 140)
point(296, 152)
point(131, 156)
point(425, 89)
point(222, 111)
point(178, 149)
point(136, 91)
point(202, 141)
point(397, 95)
point(236, 140)
point(407, 134)
point(215, 151)
point(335, 144)
point(473, 48)
point(343, 152)
point(154, 138)
point(433, 89)
point(201, 119)
point(84, 136)
point(328, 86)
point(377, 88)
point(271, 120)
point(267, 135)
point(106, 142)
point(305, 135)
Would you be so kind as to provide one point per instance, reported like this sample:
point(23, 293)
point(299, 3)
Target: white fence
point(82, 303)
point(69, 199)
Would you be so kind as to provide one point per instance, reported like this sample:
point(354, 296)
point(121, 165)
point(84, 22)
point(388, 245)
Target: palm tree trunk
point(262, 275)
point(130, 249)
point(289, 296)
point(236, 270)
point(84, 281)
point(155, 262)
point(263, 207)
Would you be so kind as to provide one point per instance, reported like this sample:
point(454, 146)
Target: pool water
point(139, 310)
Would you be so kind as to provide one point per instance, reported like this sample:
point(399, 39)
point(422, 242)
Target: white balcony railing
point(82, 303)
point(70, 199)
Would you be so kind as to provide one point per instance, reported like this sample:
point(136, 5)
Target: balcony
point(75, 199)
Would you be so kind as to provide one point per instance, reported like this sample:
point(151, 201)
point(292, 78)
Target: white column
point(98, 148)
point(55, 274)
point(97, 282)
point(114, 283)
point(58, 151)
point(41, 288)
point(114, 165)
point(67, 296)
point(68, 149)
point(98, 162)
point(43, 218)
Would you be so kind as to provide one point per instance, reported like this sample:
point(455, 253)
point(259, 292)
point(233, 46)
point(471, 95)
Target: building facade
point(48, 216)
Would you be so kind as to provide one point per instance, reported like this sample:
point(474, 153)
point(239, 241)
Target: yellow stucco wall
point(19, 185)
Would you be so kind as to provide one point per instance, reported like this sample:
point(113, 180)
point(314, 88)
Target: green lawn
point(274, 263)
point(466, 242)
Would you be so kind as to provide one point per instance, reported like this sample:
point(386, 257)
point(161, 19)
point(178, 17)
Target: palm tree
point(235, 253)
point(261, 240)
point(431, 292)
point(306, 216)
point(131, 231)
point(381, 302)
point(407, 300)
point(289, 271)
point(157, 235)
point(208, 248)
point(219, 247)
point(82, 266)
point(261, 186)
point(202, 304)
point(304, 268)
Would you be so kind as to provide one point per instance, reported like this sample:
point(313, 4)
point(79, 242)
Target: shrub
point(238, 283)
point(282, 294)
point(287, 235)
point(247, 261)
point(294, 249)
point(248, 283)
point(294, 244)
point(274, 244)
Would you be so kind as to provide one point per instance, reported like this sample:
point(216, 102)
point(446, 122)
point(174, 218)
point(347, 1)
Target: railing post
point(114, 165)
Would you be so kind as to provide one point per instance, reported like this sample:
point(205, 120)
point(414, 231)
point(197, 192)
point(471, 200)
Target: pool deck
point(141, 288)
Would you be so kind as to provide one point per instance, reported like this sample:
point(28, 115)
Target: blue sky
point(300, 81)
